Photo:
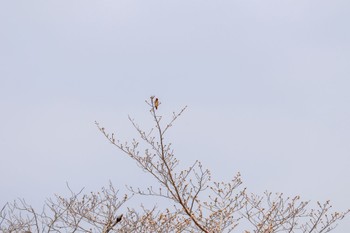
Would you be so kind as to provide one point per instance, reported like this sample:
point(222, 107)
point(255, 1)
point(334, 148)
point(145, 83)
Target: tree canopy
point(197, 203)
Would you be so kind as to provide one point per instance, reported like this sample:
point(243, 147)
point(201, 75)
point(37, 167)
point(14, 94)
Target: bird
point(119, 218)
point(156, 103)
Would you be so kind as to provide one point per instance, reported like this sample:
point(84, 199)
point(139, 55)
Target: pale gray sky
point(267, 85)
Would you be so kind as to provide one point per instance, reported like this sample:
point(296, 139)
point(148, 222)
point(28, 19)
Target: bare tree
point(93, 212)
point(198, 204)
point(207, 206)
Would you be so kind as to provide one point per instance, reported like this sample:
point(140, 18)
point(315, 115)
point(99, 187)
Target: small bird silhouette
point(119, 218)
point(156, 103)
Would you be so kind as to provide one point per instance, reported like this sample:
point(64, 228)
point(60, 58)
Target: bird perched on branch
point(119, 218)
point(156, 103)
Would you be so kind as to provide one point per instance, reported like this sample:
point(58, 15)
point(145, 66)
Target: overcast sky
point(266, 83)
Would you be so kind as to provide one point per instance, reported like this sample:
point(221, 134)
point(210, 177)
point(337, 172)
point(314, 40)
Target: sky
point(266, 84)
